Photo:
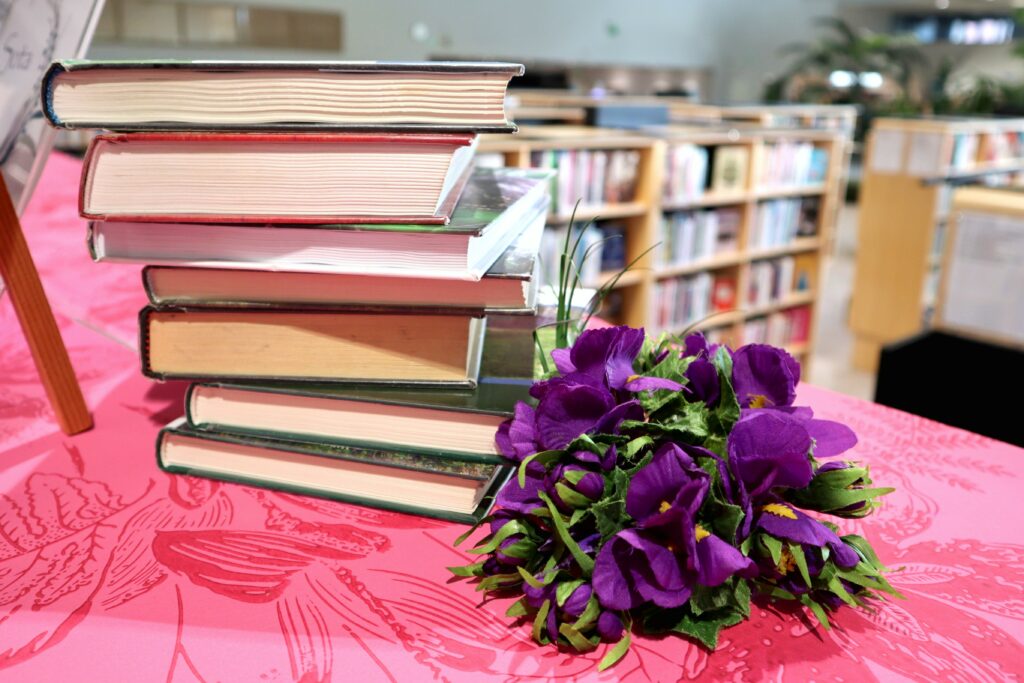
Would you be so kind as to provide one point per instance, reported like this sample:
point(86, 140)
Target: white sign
point(34, 33)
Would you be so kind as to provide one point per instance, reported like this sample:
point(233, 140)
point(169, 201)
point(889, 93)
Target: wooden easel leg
point(37, 322)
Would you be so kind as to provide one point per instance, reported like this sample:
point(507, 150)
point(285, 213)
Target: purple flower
point(606, 462)
point(667, 490)
point(517, 437)
point(696, 344)
point(577, 601)
point(609, 626)
point(786, 522)
point(588, 484)
point(717, 560)
point(768, 449)
point(764, 375)
point(563, 414)
point(514, 499)
point(605, 357)
point(702, 382)
point(830, 438)
point(635, 567)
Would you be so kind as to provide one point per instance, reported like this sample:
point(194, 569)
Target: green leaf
point(818, 610)
point(573, 499)
point(616, 653)
point(491, 542)
point(637, 445)
point(517, 609)
point(575, 476)
point(540, 621)
point(498, 582)
point(797, 551)
point(774, 547)
point(542, 457)
point(565, 589)
point(743, 597)
point(475, 569)
point(726, 518)
point(578, 515)
point(836, 586)
point(585, 562)
point(727, 412)
point(706, 628)
point(530, 578)
point(577, 639)
point(589, 614)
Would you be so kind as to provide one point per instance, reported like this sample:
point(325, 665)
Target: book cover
point(398, 120)
point(456, 178)
point(488, 475)
point(201, 343)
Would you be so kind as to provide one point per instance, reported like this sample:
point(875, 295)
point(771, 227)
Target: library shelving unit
point(742, 219)
point(635, 210)
point(910, 168)
point(764, 273)
point(983, 267)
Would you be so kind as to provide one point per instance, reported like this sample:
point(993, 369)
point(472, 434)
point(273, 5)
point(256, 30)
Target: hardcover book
point(510, 286)
point(497, 207)
point(449, 423)
point(455, 490)
point(331, 346)
point(275, 178)
point(278, 95)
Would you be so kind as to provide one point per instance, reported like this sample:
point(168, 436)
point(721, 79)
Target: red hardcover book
point(275, 178)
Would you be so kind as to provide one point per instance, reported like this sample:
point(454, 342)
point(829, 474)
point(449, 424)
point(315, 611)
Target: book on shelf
point(509, 286)
point(780, 221)
point(446, 488)
point(592, 177)
point(692, 236)
point(770, 281)
point(268, 95)
point(459, 424)
point(805, 272)
point(790, 327)
point(681, 302)
point(723, 293)
point(275, 177)
point(628, 116)
point(354, 346)
point(497, 206)
point(729, 169)
point(793, 164)
point(686, 173)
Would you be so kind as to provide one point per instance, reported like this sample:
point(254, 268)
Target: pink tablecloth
point(111, 570)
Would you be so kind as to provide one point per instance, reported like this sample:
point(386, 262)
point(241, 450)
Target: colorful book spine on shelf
point(686, 173)
point(770, 281)
point(692, 236)
point(591, 177)
point(789, 164)
point(788, 328)
point(780, 221)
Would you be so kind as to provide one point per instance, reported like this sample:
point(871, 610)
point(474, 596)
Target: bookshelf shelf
point(783, 192)
point(720, 261)
point(797, 246)
point(710, 199)
point(906, 189)
point(791, 301)
point(727, 276)
point(603, 212)
point(628, 279)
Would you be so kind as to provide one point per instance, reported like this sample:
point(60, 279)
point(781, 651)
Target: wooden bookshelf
point(644, 213)
point(910, 166)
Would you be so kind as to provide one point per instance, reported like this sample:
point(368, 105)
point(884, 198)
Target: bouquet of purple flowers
point(659, 485)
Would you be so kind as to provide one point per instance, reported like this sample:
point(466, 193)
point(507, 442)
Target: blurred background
point(869, 217)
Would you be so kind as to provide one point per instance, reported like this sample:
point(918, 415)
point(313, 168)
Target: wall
point(737, 39)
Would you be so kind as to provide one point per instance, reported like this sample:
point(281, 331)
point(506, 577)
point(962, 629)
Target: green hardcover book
point(459, 425)
point(420, 484)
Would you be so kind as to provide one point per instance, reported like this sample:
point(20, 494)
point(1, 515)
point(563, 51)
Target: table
point(112, 570)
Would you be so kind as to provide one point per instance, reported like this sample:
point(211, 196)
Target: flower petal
point(768, 448)
point(718, 560)
point(565, 412)
point(764, 375)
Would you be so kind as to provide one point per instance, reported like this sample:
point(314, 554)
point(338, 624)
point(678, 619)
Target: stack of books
point(352, 298)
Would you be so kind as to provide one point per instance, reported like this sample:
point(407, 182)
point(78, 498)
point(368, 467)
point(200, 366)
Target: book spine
point(46, 95)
